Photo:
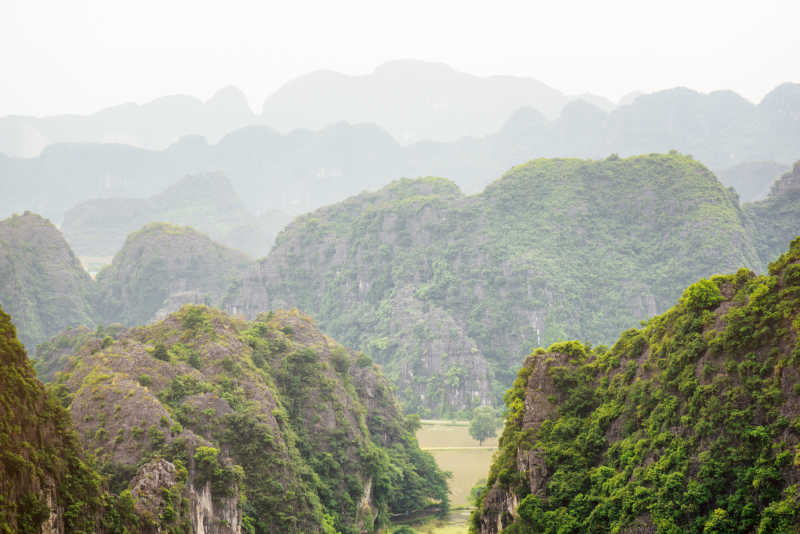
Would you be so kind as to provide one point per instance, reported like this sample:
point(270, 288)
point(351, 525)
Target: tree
point(483, 424)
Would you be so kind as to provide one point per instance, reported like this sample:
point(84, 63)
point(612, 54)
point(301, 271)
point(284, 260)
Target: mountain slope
point(776, 219)
point(161, 267)
point(690, 424)
point(206, 202)
point(42, 284)
point(274, 426)
point(448, 291)
point(44, 484)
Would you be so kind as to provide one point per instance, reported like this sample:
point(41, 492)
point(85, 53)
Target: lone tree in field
point(483, 424)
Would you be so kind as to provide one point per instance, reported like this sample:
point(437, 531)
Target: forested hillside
point(162, 267)
point(689, 424)
point(45, 485)
point(263, 426)
point(42, 283)
point(447, 291)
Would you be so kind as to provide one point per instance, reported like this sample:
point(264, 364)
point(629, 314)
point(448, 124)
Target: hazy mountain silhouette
point(206, 202)
point(413, 100)
point(156, 124)
point(303, 170)
point(752, 180)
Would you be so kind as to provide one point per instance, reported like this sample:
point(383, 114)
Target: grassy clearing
point(455, 523)
point(456, 451)
point(441, 435)
point(468, 467)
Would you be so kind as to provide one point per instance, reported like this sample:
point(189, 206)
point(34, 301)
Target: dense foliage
point(690, 424)
point(41, 461)
point(447, 292)
point(270, 416)
point(160, 267)
point(483, 424)
point(42, 284)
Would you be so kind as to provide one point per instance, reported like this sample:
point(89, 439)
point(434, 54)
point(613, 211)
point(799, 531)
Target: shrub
point(702, 295)
point(160, 352)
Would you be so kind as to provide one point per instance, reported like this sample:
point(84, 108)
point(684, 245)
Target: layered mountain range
point(160, 268)
point(206, 202)
point(303, 170)
point(413, 100)
point(156, 124)
point(689, 424)
point(447, 291)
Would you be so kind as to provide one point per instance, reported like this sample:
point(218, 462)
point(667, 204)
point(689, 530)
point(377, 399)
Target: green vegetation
point(140, 283)
point(45, 289)
point(39, 452)
point(690, 424)
point(448, 292)
point(269, 415)
point(484, 424)
point(42, 283)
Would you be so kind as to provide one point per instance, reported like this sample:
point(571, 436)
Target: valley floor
point(456, 451)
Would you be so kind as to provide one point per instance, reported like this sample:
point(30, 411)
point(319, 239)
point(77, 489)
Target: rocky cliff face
point(162, 267)
point(45, 486)
point(691, 424)
point(42, 283)
point(195, 411)
point(555, 249)
point(158, 482)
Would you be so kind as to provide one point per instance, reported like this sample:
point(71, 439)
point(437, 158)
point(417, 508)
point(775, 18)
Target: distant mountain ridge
point(155, 124)
point(303, 170)
point(206, 202)
point(412, 100)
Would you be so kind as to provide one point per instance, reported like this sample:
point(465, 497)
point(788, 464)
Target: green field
point(454, 450)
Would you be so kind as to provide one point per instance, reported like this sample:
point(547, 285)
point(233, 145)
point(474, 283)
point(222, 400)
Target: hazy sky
point(81, 55)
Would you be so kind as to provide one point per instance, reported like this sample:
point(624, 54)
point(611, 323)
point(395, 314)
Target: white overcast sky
point(79, 56)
